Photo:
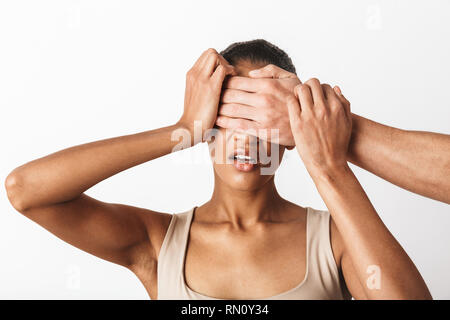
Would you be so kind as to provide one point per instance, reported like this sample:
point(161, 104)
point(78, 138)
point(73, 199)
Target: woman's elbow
point(15, 191)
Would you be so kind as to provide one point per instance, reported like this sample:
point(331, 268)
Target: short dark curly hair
point(258, 51)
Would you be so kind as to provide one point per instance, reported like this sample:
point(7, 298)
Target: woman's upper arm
point(118, 233)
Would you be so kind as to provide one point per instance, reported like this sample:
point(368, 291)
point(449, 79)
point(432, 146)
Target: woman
point(247, 242)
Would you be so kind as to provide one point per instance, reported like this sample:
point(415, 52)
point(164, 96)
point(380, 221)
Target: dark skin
point(244, 207)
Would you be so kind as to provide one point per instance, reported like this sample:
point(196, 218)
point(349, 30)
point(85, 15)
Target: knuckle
point(222, 120)
point(220, 69)
point(264, 118)
point(313, 81)
point(320, 112)
point(274, 85)
point(267, 86)
point(335, 105)
point(326, 86)
point(303, 89)
point(265, 100)
point(291, 99)
point(190, 74)
point(233, 108)
point(241, 125)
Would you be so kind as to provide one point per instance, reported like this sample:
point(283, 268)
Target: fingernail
point(337, 90)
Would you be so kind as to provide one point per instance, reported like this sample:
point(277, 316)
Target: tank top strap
point(321, 263)
point(321, 279)
point(171, 256)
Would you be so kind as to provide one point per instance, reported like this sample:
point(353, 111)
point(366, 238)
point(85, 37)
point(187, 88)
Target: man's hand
point(321, 124)
point(203, 89)
point(259, 102)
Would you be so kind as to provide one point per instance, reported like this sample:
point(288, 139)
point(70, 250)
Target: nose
point(244, 141)
point(244, 138)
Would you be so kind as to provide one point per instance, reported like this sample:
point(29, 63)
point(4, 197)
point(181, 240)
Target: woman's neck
point(244, 208)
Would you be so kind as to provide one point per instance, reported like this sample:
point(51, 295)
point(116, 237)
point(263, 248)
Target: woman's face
point(243, 161)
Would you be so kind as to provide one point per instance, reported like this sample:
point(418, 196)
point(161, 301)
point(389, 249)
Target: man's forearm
point(367, 240)
point(416, 161)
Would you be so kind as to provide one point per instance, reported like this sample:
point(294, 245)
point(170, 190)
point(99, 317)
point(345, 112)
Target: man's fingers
point(316, 90)
point(340, 95)
point(303, 92)
point(241, 97)
point(329, 93)
point(271, 71)
point(294, 109)
point(245, 84)
point(234, 110)
point(241, 125)
point(344, 100)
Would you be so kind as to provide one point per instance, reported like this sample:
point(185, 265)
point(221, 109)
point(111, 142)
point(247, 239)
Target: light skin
point(414, 160)
point(244, 207)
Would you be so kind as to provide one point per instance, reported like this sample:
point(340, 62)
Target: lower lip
point(245, 167)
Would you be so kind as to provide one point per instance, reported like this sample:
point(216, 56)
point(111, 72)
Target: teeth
point(244, 158)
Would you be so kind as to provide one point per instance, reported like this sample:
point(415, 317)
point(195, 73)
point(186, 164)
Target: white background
point(76, 71)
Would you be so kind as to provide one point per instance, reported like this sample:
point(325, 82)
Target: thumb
point(294, 109)
point(343, 99)
point(340, 95)
point(270, 71)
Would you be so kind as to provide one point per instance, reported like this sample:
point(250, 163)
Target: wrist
point(358, 124)
point(181, 128)
point(329, 174)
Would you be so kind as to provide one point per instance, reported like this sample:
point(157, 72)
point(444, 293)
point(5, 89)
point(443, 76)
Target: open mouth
point(242, 158)
point(243, 161)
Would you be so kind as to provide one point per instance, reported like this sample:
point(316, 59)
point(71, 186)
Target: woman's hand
point(321, 125)
point(203, 89)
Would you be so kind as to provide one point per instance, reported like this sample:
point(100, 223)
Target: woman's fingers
point(210, 65)
point(220, 73)
point(199, 64)
point(212, 61)
point(230, 68)
point(235, 110)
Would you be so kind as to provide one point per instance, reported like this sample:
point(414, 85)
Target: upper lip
point(241, 144)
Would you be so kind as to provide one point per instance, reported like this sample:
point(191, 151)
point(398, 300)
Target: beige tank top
point(321, 280)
